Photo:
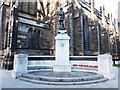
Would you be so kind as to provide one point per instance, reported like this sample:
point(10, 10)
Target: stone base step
point(62, 83)
point(62, 79)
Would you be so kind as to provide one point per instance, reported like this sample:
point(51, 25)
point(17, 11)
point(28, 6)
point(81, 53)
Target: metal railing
point(75, 58)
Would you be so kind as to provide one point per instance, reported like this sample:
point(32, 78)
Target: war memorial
point(43, 44)
point(62, 73)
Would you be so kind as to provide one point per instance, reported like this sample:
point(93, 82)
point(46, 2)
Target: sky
point(111, 6)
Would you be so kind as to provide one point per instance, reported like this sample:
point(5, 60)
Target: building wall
point(0, 33)
point(33, 30)
point(85, 31)
point(119, 11)
point(118, 40)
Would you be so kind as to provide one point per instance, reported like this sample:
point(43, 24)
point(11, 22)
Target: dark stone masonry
point(31, 27)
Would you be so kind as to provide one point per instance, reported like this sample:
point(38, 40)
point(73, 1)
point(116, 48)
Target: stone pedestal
point(105, 66)
point(62, 52)
point(20, 65)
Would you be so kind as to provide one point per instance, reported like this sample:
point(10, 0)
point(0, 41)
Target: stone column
point(20, 65)
point(105, 66)
point(92, 10)
point(62, 52)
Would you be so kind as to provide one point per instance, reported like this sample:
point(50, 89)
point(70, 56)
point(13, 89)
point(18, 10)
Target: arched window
point(6, 34)
point(34, 39)
point(30, 38)
point(86, 33)
point(37, 38)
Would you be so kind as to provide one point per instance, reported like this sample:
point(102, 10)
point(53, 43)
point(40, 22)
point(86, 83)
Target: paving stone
point(9, 82)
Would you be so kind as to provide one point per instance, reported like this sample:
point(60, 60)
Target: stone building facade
point(30, 28)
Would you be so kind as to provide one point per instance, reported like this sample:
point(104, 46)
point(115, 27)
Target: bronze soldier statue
point(61, 18)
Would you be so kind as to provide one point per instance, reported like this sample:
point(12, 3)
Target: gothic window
point(32, 8)
point(19, 6)
point(86, 33)
point(38, 43)
point(33, 39)
point(99, 38)
point(36, 39)
point(48, 8)
point(118, 24)
point(22, 27)
point(25, 7)
point(30, 36)
point(28, 7)
point(6, 34)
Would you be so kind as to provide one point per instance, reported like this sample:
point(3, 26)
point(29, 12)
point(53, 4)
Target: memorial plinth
point(105, 66)
point(62, 52)
point(20, 65)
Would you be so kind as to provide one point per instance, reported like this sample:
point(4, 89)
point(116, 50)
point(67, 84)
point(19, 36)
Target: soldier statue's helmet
point(61, 9)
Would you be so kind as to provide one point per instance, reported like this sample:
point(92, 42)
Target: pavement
point(6, 81)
